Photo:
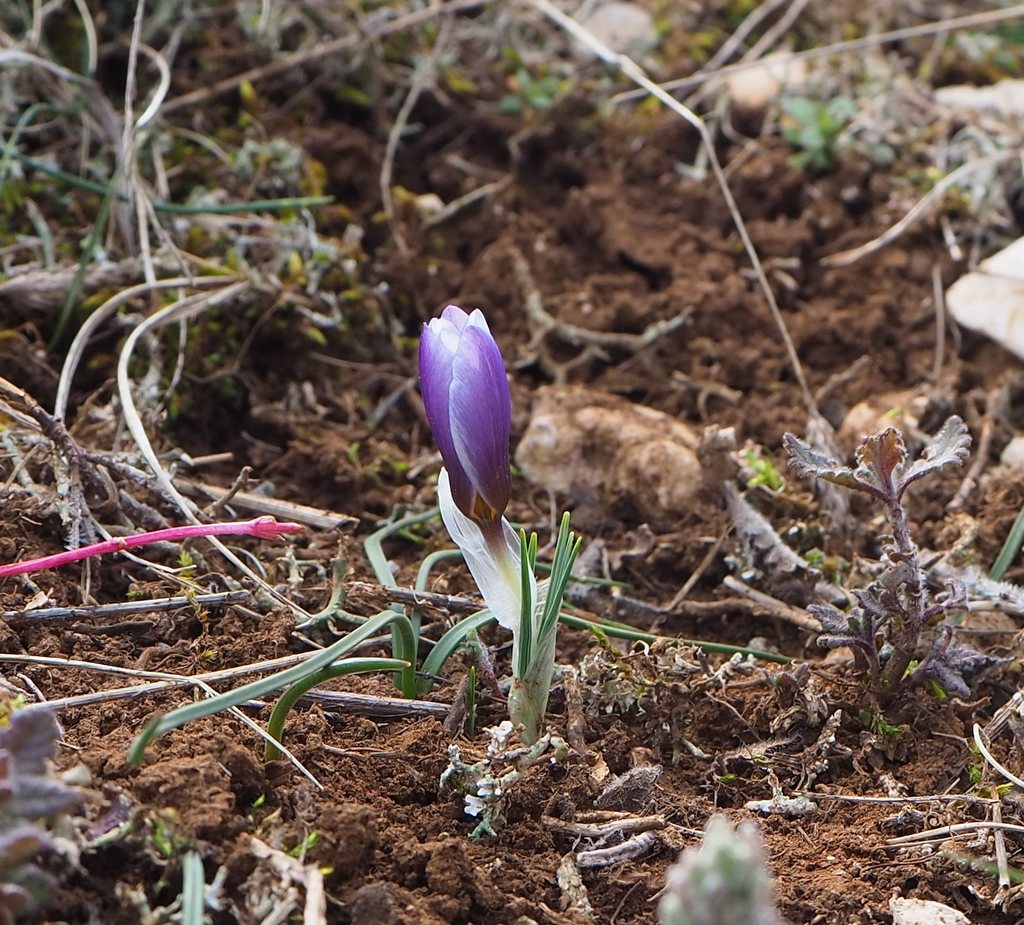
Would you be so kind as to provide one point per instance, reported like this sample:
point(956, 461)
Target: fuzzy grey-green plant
point(885, 627)
point(29, 795)
point(723, 882)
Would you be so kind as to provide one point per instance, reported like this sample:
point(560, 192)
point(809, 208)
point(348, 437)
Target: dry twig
point(917, 211)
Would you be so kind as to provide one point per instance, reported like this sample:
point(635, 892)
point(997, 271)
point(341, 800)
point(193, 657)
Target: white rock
point(1005, 97)
point(756, 87)
point(924, 912)
point(1013, 453)
point(625, 28)
point(899, 409)
point(990, 300)
point(600, 446)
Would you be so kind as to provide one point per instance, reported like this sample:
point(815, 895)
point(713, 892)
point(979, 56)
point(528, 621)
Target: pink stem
point(263, 527)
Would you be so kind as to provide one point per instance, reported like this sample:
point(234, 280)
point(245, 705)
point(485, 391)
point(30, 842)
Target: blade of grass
point(373, 545)
point(193, 885)
point(621, 631)
point(567, 547)
point(524, 635)
point(255, 689)
point(423, 577)
point(174, 208)
point(275, 725)
point(449, 643)
point(1011, 549)
point(99, 315)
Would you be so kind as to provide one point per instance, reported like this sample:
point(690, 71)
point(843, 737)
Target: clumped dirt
point(595, 222)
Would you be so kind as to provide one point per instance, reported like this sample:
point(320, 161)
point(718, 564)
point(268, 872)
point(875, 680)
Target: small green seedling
point(815, 128)
point(531, 93)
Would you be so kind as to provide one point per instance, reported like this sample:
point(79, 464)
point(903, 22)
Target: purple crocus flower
point(469, 407)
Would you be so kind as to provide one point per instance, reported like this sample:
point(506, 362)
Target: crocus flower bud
point(469, 407)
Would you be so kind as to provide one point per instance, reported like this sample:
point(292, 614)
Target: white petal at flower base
point(497, 571)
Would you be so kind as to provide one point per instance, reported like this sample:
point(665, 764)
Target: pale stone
point(625, 28)
point(924, 912)
point(756, 87)
point(1005, 97)
point(1013, 453)
point(899, 409)
point(990, 300)
point(597, 445)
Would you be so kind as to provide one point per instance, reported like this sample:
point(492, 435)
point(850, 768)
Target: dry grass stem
point(96, 318)
point(942, 833)
point(953, 24)
point(918, 210)
point(421, 79)
point(315, 517)
point(336, 46)
point(124, 608)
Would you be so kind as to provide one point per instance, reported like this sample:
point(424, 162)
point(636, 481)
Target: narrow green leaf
point(524, 636)
point(423, 578)
point(374, 548)
point(373, 545)
point(622, 631)
point(1011, 549)
point(567, 547)
point(179, 717)
point(193, 886)
point(174, 208)
point(275, 725)
point(449, 643)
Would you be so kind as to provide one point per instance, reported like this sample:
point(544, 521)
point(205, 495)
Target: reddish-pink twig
point(263, 527)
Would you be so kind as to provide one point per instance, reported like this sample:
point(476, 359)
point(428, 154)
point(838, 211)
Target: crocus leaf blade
point(567, 547)
point(524, 640)
point(452, 639)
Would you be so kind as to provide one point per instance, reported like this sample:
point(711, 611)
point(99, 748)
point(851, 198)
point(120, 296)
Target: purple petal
point(435, 383)
point(480, 416)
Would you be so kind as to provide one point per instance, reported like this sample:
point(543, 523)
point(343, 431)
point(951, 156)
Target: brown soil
point(616, 239)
